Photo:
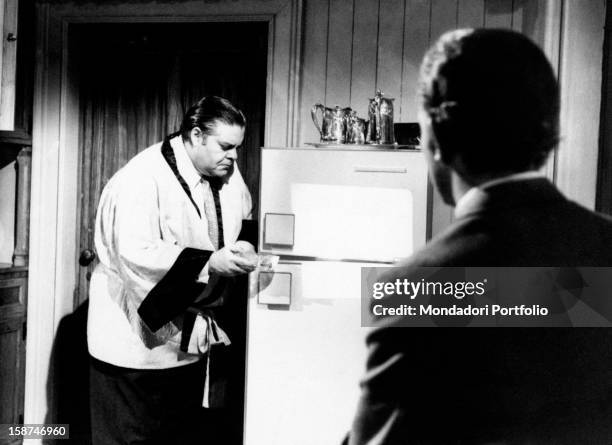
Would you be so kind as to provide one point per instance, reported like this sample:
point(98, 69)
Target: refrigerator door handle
point(361, 169)
point(279, 229)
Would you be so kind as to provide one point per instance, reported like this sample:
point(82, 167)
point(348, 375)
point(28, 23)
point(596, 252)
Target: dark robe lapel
point(178, 289)
point(169, 157)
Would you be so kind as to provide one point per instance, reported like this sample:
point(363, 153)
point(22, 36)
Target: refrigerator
point(326, 212)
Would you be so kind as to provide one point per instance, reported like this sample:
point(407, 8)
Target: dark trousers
point(150, 407)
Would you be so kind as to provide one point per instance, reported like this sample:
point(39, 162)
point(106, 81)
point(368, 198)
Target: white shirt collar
point(466, 200)
point(183, 162)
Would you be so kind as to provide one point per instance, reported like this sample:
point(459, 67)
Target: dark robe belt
point(219, 366)
point(249, 232)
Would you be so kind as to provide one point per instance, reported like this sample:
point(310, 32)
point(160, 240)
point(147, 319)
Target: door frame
point(55, 154)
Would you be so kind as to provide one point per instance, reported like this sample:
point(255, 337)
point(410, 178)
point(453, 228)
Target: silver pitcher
point(333, 122)
point(356, 129)
point(380, 120)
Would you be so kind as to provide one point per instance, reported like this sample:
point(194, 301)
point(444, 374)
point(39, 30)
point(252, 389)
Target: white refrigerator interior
point(326, 213)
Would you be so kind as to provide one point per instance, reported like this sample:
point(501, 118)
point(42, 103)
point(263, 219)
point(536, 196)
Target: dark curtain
point(137, 80)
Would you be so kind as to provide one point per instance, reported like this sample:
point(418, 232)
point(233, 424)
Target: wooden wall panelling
point(8, 62)
point(295, 69)
point(339, 46)
point(518, 14)
point(279, 102)
point(498, 14)
point(25, 70)
point(390, 50)
point(470, 13)
point(416, 42)
point(365, 47)
point(3, 4)
point(443, 18)
point(314, 70)
point(581, 76)
point(604, 177)
point(546, 31)
point(540, 20)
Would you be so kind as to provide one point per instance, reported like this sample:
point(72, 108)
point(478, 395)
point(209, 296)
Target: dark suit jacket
point(463, 386)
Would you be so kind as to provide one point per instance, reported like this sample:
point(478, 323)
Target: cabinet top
point(20, 138)
point(7, 270)
point(351, 147)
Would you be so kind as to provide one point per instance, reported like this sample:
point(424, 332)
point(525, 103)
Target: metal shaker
point(355, 129)
point(380, 117)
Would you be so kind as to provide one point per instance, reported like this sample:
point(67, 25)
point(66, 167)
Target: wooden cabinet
point(8, 62)
point(13, 291)
point(15, 143)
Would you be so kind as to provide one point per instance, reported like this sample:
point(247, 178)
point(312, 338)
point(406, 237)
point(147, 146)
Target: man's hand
point(245, 250)
point(231, 261)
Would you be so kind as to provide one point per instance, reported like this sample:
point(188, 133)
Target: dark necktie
point(212, 210)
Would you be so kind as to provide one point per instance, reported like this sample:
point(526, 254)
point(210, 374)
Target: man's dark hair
point(209, 111)
point(493, 98)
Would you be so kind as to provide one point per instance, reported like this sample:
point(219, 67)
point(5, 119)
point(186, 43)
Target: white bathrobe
point(145, 222)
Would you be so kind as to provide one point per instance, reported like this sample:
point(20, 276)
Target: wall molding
point(55, 154)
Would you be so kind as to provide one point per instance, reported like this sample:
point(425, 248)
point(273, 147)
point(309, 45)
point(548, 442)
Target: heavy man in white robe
point(166, 233)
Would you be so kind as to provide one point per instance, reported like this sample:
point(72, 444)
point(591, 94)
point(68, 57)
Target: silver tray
point(383, 146)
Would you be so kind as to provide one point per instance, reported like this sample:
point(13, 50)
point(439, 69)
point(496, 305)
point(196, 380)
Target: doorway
point(54, 233)
point(135, 81)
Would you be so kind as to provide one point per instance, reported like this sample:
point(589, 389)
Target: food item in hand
point(245, 250)
point(267, 263)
